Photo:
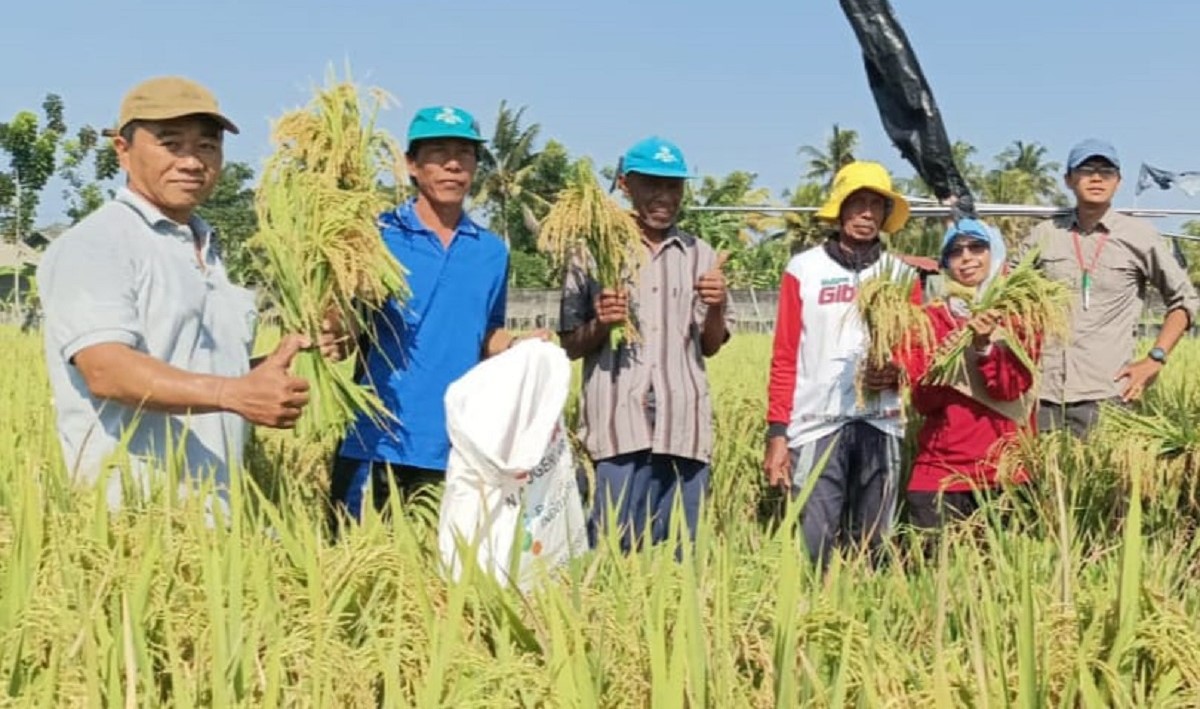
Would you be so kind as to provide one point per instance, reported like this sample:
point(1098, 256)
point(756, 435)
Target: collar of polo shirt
point(1105, 223)
point(406, 217)
point(196, 228)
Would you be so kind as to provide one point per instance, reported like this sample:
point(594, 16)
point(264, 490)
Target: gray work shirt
point(652, 394)
point(1103, 338)
point(129, 275)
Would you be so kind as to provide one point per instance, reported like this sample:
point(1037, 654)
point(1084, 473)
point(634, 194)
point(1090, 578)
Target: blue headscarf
point(977, 230)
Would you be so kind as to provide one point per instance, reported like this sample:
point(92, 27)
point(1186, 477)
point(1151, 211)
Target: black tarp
point(905, 101)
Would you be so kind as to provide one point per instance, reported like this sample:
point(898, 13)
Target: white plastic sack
point(511, 478)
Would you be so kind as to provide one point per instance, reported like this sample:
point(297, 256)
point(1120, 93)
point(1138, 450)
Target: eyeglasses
point(976, 248)
point(1108, 172)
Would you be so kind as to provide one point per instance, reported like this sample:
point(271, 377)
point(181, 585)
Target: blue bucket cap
point(1092, 148)
point(443, 122)
point(655, 156)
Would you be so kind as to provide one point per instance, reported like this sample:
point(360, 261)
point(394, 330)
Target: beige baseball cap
point(165, 97)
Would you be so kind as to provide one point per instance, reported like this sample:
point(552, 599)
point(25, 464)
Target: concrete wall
point(531, 309)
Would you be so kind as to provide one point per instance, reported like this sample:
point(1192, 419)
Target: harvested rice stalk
point(892, 321)
point(1023, 297)
point(318, 242)
point(586, 226)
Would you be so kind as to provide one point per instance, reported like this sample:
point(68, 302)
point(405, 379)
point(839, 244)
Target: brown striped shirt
point(616, 418)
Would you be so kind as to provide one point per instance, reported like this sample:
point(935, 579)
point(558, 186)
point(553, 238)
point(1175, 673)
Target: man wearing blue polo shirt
point(457, 272)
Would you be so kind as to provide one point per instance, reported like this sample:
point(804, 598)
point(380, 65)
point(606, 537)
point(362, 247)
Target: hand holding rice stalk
point(1023, 297)
point(892, 321)
point(586, 226)
point(318, 241)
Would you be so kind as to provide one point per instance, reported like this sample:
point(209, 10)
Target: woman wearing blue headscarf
point(966, 421)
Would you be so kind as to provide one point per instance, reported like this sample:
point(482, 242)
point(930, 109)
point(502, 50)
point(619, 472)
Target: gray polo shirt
point(1130, 258)
point(127, 274)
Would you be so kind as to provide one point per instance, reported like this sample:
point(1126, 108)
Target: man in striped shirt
point(647, 417)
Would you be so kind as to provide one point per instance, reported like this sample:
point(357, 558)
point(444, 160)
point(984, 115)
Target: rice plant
point(1080, 591)
point(1028, 304)
point(318, 241)
point(585, 227)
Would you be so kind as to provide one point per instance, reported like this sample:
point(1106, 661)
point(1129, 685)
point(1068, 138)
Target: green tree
point(85, 193)
point(32, 152)
point(801, 230)
point(1041, 175)
point(972, 172)
point(739, 234)
point(839, 151)
point(230, 210)
point(1190, 249)
point(531, 268)
point(506, 168)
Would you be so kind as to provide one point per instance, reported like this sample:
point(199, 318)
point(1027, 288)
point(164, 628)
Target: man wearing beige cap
point(147, 341)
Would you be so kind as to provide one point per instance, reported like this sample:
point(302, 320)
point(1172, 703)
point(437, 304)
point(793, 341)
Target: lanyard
point(1085, 281)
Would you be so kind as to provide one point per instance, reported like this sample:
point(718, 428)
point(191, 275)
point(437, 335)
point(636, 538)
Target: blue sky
point(739, 85)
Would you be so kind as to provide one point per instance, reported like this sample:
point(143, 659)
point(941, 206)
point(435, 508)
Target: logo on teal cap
point(448, 115)
point(443, 122)
point(655, 156)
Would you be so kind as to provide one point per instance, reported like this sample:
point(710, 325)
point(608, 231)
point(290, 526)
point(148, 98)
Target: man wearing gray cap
point(147, 341)
point(1107, 259)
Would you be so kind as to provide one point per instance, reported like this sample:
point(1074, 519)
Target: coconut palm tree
point(839, 150)
point(1030, 160)
point(506, 166)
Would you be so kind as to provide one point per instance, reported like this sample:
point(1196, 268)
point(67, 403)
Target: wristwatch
point(1157, 354)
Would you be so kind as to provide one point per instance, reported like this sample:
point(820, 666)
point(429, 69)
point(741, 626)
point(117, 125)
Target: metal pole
point(990, 210)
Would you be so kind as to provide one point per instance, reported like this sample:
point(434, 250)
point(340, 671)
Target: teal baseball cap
point(655, 156)
point(443, 122)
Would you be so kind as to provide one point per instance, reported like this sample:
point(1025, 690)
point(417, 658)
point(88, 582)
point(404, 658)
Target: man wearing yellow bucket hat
point(816, 425)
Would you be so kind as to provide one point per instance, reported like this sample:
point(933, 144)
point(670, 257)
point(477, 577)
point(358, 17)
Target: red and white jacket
point(819, 341)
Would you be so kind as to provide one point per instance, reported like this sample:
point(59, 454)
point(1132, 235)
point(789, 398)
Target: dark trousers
point(641, 488)
point(933, 510)
point(348, 486)
point(853, 500)
point(1077, 416)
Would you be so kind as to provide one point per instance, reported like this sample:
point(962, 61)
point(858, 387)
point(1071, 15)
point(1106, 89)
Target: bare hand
point(777, 463)
point(1140, 375)
point(269, 395)
point(335, 342)
point(881, 378)
point(711, 286)
point(612, 307)
point(983, 325)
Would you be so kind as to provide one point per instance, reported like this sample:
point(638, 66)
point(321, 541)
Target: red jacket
point(957, 445)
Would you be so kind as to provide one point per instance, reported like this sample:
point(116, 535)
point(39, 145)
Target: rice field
point(1083, 593)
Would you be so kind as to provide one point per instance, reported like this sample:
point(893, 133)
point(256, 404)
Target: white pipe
point(987, 210)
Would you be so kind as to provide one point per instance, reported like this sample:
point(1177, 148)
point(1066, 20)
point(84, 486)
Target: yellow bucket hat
point(860, 175)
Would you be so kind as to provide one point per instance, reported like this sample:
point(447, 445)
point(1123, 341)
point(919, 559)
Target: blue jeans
point(641, 488)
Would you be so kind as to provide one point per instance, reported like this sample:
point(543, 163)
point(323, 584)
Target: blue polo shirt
point(459, 294)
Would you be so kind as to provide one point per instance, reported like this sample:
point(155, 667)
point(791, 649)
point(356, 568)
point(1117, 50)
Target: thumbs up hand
point(711, 286)
point(269, 395)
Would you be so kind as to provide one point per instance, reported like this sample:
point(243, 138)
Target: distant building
point(19, 260)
